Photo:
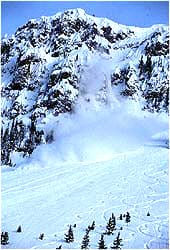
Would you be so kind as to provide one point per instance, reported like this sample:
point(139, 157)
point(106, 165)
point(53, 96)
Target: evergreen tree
point(69, 237)
point(110, 226)
point(41, 237)
point(4, 238)
point(19, 229)
point(148, 214)
point(127, 219)
point(102, 243)
point(85, 241)
point(117, 242)
point(121, 217)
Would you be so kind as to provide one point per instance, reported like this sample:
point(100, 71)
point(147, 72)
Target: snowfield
point(46, 195)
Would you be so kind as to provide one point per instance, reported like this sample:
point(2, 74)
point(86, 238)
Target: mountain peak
point(55, 64)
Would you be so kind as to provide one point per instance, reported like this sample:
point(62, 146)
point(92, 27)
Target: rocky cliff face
point(43, 65)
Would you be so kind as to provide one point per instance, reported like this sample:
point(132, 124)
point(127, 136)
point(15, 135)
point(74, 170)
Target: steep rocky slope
point(45, 62)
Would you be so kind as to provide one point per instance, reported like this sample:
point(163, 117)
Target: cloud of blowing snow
point(96, 132)
point(90, 135)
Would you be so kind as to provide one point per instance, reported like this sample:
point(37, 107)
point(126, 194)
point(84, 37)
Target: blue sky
point(138, 13)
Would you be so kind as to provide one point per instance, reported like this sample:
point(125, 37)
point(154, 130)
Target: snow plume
point(95, 135)
point(97, 131)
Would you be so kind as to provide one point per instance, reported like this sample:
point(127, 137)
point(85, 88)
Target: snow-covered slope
point(55, 64)
point(85, 123)
point(46, 197)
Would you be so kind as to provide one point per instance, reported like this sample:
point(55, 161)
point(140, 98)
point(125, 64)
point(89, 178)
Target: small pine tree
point(69, 237)
point(121, 217)
point(19, 229)
point(110, 226)
point(102, 243)
point(127, 219)
point(117, 242)
point(4, 238)
point(148, 214)
point(41, 237)
point(85, 241)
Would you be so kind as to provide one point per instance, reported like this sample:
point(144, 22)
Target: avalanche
point(86, 105)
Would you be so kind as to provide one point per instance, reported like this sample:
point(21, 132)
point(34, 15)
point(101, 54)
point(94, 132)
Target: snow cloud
point(94, 135)
point(97, 131)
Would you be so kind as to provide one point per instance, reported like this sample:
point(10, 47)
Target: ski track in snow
point(79, 193)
